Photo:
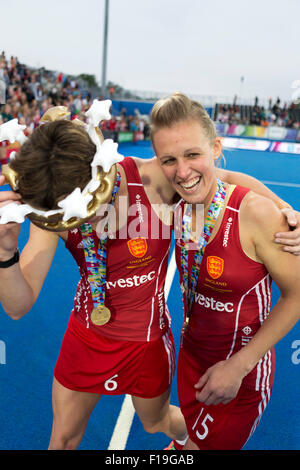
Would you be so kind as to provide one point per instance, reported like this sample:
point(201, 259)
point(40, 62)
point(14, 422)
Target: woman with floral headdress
point(118, 339)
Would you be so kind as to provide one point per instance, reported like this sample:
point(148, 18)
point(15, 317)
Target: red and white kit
point(134, 352)
point(232, 300)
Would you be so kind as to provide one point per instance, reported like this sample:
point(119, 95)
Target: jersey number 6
point(110, 385)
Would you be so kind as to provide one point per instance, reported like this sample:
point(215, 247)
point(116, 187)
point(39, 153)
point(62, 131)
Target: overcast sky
point(200, 47)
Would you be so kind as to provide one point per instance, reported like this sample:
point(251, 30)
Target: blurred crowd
point(29, 93)
point(274, 114)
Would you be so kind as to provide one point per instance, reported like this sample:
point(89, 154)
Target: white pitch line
point(121, 432)
point(170, 274)
point(278, 183)
point(124, 422)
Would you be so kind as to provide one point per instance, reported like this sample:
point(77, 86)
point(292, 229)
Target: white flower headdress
point(80, 205)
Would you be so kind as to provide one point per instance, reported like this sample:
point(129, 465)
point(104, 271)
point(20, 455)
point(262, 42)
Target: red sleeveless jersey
point(136, 269)
point(232, 299)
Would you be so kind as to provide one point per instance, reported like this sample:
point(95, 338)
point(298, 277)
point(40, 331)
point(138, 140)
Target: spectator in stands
point(123, 124)
point(6, 113)
point(133, 124)
point(29, 93)
point(259, 116)
point(2, 149)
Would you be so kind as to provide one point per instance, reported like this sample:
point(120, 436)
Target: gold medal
point(100, 315)
point(186, 324)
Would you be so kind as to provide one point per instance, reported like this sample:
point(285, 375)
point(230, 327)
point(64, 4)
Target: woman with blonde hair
point(227, 263)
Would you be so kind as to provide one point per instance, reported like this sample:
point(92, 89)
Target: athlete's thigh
point(71, 409)
point(216, 427)
point(152, 410)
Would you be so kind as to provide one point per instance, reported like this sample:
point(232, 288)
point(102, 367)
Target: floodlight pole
point(104, 56)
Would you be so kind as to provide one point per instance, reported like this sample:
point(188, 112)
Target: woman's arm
point(221, 382)
point(242, 179)
point(284, 270)
point(20, 284)
point(290, 238)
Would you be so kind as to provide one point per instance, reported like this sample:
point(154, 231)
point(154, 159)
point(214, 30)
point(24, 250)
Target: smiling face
point(187, 155)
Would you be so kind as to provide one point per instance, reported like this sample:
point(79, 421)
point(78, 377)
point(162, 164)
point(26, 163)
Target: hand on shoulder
point(264, 212)
point(290, 239)
point(261, 219)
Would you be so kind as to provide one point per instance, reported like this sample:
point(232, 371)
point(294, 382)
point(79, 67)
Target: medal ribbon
point(96, 266)
point(212, 215)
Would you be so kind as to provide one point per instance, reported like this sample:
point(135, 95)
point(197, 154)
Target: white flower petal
point(21, 138)
point(98, 112)
point(107, 155)
point(14, 212)
point(75, 205)
point(91, 186)
point(11, 130)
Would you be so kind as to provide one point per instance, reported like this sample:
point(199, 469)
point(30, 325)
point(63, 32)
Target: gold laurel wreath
point(101, 195)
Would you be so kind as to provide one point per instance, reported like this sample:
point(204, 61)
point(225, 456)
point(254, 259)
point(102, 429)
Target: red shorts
point(92, 363)
point(217, 427)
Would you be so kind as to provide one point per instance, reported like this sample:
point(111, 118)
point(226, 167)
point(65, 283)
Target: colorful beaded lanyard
point(212, 215)
point(96, 267)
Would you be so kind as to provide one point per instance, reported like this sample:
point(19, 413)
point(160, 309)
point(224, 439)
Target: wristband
point(11, 261)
